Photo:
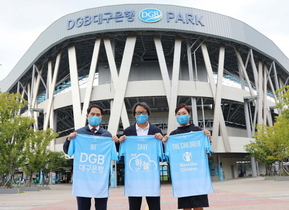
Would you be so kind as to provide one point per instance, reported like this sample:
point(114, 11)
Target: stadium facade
point(225, 70)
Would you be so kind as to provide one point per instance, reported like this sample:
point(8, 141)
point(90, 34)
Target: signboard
point(148, 15)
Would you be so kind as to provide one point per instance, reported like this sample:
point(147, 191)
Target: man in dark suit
point(141, 112)
point(94, 116)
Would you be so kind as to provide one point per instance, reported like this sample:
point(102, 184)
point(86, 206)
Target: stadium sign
point(149, 15)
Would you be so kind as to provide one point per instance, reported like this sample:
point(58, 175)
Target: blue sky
point(22, 21)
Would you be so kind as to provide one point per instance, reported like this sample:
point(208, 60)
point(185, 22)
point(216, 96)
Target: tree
point(36, 151)
point(20, 145)
point(39, 157)
point(55, 161)
point(4, 169)
point(283, 105)
point(280, 141)
point(272, 143)
point(260, 148)
point(282, 125)
point(14, 131)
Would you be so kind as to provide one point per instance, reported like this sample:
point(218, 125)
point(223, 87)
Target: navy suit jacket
point(131, 130)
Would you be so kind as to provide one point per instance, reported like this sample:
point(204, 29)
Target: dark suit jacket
point(131, 130)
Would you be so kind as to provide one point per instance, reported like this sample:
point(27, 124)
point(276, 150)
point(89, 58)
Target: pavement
point(236, 194)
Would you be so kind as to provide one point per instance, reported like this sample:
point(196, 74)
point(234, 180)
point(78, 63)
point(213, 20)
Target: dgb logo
point(150, 15)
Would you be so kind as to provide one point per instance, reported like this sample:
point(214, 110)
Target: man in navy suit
point(141, 112)
point(94, 116)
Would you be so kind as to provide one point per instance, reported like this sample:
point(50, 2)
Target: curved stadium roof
point(175, 19)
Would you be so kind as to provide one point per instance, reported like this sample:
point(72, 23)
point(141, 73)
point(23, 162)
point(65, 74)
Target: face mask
point(183, 119)
point(94, 121)
point(142, 118)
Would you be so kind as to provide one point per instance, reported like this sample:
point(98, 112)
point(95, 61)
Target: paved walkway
point(237, 194)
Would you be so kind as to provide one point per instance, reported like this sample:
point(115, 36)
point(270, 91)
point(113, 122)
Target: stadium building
point(225, 70)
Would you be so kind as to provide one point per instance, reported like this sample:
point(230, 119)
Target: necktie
point(93, 131)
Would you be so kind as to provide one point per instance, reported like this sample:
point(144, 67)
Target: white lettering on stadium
point(129, 15)
point(186, 19)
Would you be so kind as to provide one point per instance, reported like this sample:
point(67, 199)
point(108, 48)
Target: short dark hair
point(182, 106)
point(144, 105)
point(94, 106)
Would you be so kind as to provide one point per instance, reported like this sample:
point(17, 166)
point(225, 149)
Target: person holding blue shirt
point(182, 113)
point(94, 116)
point(141, 112)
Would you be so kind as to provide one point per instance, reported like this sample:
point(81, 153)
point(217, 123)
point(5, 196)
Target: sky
point(22, 21)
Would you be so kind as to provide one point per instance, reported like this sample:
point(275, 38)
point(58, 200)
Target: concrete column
point(249, 133)
point(194, 111)
point(254, 167)
point(172, 123)
point(121, 86)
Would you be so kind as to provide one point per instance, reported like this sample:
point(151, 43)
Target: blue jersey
point(187, 155)
point(91, 166)
point(142, 156)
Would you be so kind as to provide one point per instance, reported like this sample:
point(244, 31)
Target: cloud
point(142, 163)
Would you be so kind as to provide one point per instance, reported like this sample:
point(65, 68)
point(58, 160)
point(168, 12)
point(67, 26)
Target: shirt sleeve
point(208, 145)
point(113, 152)
point(71, 148)
point(121, 149)
point(167, 151)
point(161, 151)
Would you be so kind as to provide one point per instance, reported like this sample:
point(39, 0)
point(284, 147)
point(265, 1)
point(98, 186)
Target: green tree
point(282, 125)
point(55, 161)
point(260, 148)
point(14, 131)
point(20, 145)
point(272, 143)
point(37, 152)
point(283, 105)
point(280, 142)
point(39, 157)
point(3, 171)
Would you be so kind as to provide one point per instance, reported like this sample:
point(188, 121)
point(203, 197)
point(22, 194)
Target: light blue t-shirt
point(187, 155)
point(91, 166)
point(142, 155)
